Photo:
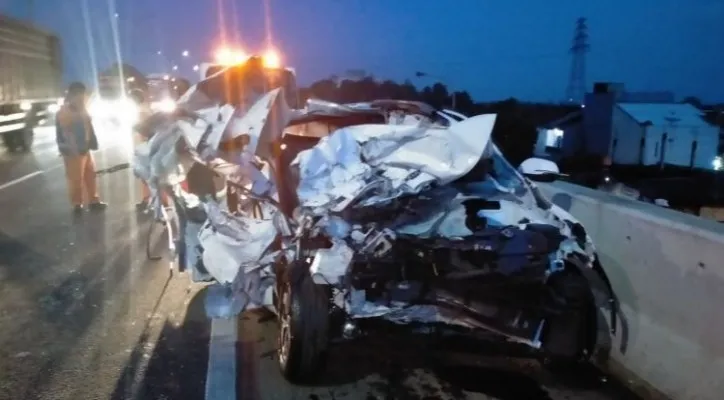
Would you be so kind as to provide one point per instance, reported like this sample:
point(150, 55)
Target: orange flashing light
point(227, 56)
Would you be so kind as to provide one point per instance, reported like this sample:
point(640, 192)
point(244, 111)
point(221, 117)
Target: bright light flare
point(272, 59)
point(124, 110)
point(718, 163)
point(98, 108)
point(128, 111)
point(224, 56)
point(227, 56)
point(166, 105)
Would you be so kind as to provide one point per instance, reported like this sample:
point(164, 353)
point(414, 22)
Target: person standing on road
point(76, 138)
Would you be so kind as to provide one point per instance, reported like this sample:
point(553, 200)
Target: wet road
point(84, 315)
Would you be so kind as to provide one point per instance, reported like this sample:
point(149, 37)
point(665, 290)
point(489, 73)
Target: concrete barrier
point(667, 270)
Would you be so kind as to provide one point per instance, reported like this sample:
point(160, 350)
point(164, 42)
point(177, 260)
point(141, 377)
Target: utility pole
point(577, 80)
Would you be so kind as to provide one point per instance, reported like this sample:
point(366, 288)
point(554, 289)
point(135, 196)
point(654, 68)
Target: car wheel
point(569, 338)
point(9, 141)
point(303, 311)
point(25, 139)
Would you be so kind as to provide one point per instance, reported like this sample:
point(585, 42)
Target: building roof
point(664, 114)
point(568, 119)
point(715, 117)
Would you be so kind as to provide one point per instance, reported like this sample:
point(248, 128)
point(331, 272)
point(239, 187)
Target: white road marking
point(21, 179)
point(28, 176)
point(53, 168)
point(221, 371)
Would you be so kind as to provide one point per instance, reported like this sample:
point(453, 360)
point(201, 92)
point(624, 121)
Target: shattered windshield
point(505, 174)
point(495, 175)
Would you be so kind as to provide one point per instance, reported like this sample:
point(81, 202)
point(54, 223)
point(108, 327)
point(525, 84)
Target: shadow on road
point(394, 365)
point(422, 367)
point(20, 263)
point(68, 292)
point(175, 368)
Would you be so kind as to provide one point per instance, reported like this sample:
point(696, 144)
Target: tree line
point(515, 129)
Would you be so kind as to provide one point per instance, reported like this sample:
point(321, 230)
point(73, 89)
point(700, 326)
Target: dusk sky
point(494, 49)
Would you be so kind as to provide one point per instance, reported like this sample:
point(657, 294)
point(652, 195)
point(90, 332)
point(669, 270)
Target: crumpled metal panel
point(357, 167)
point(398, 160)
point(234, 243)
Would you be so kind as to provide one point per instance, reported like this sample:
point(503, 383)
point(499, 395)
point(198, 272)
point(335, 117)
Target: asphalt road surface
point(84, 315)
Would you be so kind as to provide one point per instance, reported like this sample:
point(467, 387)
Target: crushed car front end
point(344, 215)
point(459, 240)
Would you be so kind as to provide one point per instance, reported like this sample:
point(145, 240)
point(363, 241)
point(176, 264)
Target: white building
point(657, 134)
point(559, 139)
point(615, 125)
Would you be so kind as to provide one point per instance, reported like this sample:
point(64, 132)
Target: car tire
point(303, 312)
point(569, 338)
point(25, 139)
point(9, 141)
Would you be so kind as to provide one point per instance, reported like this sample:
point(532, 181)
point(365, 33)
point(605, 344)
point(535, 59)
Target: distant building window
point(554, 137)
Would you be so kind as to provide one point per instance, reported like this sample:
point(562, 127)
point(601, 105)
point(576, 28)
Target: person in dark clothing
point(76, 138)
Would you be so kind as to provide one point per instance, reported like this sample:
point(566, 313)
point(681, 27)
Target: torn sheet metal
point(329, 266)
point(158, 162)
point(243, 169)
point(446, 218)
point(398, 160)
point(399, 311)
point(194, 253)
point(233, 243)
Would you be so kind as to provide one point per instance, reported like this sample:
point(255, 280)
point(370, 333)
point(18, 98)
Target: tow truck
point(264, 70)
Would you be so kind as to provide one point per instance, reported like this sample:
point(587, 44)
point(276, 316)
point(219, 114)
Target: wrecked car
point(340, 216)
